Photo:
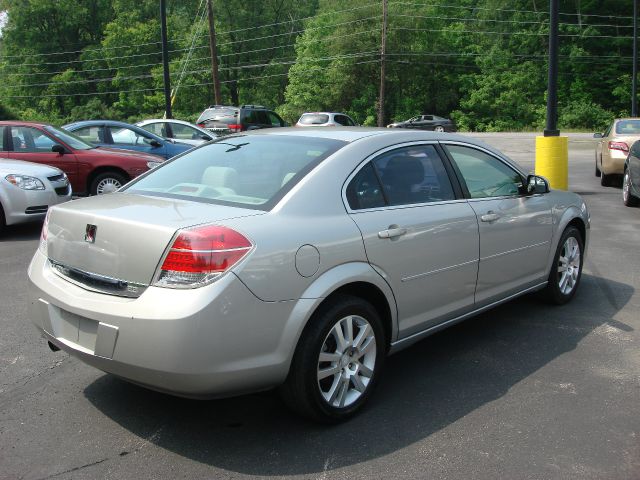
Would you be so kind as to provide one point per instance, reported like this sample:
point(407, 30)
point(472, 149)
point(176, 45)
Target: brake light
point(235, 127)
point(622, 146)
point(44, 233)
point(199, 255)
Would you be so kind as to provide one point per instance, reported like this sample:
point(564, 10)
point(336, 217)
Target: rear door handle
point(392, 232)
point(490, 216)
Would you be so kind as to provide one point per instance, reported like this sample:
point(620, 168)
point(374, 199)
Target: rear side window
point(91, 134)
point(2, 138)
point(247, 171)
point(313, 119)
point(405, 176)
point(157, 128)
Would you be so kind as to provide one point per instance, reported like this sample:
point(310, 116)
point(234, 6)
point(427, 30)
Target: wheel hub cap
point(569, 265)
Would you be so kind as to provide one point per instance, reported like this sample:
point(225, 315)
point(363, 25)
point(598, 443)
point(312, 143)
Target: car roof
point(163, 120)
point(20, 123)
point(112, 123)
point(354, 134)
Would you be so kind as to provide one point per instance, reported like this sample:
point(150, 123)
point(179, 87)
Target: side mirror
point(204, 137)
point(597, 135)
point(536, 184)
point(155, 143)
point(58, 149)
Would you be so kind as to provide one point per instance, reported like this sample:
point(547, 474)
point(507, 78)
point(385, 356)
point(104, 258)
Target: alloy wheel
point(569, 265)
point(346, 362)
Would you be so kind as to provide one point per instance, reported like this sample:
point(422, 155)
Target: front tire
point(107, 182)
point(627, 197)
point(566, 269)
point(439, 128)
point(337, 361)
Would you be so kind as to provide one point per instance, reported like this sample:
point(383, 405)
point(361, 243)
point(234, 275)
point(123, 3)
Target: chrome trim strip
point(214, 250)
point(103, 283)
point(482, 259)
point(405, 342)
point(439, 270)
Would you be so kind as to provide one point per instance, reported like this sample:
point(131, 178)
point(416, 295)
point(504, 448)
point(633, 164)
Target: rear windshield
point(313, 119)
point(219, 115)
point(247, 171)
point(628, 127)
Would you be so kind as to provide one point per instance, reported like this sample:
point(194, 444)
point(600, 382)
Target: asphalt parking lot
point(525, 391)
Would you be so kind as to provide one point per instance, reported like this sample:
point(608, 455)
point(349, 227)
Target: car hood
point(119, 153)
point(132, 232)
point(10, 166)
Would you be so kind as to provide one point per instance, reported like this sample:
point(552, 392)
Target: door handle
point(490, 216)
point(392, 232)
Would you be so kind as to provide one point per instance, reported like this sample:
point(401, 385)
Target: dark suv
point(223, 120)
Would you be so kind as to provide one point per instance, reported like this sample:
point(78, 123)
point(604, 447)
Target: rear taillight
point(201, 125)
point(235, 127)
point(199, 255)
point(619, 146)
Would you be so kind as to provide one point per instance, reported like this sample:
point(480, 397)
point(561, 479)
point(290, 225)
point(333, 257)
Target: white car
point(183, 132)
point(28, 189)
point(325, 119)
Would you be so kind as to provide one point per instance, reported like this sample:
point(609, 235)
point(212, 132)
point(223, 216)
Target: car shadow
point(21, 232)
point(424, 389)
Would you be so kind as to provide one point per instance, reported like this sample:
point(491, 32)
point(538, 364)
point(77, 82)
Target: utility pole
point(634, 82)
point(214, 55)
point(551, 129)
point(383, 51)
point(552, 150)
point(165, 59)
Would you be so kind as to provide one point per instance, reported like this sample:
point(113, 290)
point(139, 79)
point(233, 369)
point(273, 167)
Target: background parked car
point(613, 147)
point(109, 133)
point(90, 169)
point(236, 277)
point(179, 130)
point(427, 122)
point(631, 177)
point(223, 120)
point(325, 119)
point(27, 190)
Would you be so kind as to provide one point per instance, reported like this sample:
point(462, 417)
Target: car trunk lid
point(117, 240)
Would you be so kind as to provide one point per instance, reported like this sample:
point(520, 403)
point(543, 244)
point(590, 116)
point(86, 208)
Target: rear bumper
point(214, 341)
point(614, 163)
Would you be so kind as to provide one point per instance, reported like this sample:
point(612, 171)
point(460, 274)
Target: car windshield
point(313, 119)
point(69, 138)
point(247, 171)
point(628, 127)
point(220, 115)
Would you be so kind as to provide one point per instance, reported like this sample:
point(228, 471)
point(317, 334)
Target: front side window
point(185, 132)
point(157, 128)
point(30, 140)
point(249, 171)
point(91, 134)
point(126, 136)
point(484, 174)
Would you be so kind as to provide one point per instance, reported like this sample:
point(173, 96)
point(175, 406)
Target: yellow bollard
point(552, 161)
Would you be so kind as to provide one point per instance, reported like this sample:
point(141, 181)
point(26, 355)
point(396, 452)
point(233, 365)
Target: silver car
point(28, 189)
point(179, 130)
point(298, 258)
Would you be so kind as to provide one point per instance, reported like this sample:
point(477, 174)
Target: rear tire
point(107, 182)
point(337, 361)
point(598, 173)
point(2, 220)
point(605, 180)
point(627, 197)
point(566, 269)
point(439, 128)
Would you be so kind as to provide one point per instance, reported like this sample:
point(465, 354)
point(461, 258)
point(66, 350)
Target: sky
point(3, 20)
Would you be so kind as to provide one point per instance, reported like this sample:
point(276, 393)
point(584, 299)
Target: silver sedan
point(28, 189)
point(298, 259)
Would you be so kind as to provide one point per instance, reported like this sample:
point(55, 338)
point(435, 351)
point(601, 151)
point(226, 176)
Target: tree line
point(481, 62)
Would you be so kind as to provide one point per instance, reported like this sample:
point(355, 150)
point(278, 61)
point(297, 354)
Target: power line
point(483, 32)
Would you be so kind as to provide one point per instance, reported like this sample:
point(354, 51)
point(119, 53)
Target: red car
point(90, 169)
